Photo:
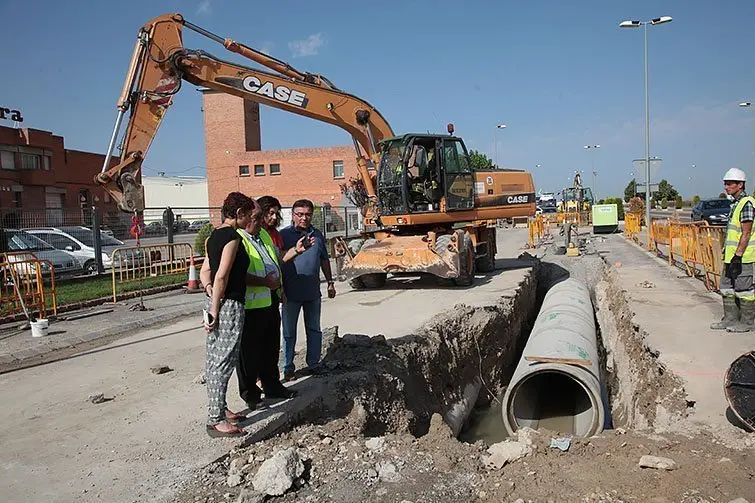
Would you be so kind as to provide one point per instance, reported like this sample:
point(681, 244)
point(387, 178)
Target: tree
point(722, 195)
point(480, 160)
point(665, 191)
point(679, 202)
point(631, 190)
point(696, 199)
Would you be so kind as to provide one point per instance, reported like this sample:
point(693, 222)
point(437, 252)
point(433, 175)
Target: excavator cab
point(424, 173)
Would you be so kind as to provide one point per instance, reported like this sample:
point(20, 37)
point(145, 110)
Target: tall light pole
point(592, 165)
point(748, 104)
point(644, 24)
point(495, 140)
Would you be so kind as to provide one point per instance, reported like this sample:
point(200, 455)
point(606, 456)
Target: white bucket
point(39, 328)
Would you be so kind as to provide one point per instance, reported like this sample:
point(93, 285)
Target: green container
point(605, 218)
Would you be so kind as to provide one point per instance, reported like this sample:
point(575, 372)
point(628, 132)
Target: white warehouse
point(186, 195)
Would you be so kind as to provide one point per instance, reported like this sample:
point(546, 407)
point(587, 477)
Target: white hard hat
point(735, 175)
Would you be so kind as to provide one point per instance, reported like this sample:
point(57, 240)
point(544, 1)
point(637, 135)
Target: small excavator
point(576, 199)
point(426, 211)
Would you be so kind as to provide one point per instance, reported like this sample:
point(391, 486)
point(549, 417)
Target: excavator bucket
point(405, 254)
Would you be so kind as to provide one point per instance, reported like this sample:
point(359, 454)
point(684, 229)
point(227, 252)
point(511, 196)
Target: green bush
point(679, 203)
point(602, 201)
point(664, 203)
point(695, 200)
point(199, 240)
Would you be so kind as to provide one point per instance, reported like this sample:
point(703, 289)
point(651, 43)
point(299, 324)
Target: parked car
point(23, 246)
point(713, 211)
point(79, 242)
point(180, 226)
point(155, 229)
point(197, 224)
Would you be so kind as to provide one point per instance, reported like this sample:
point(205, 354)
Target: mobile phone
point(308, 236)
point(208, 318)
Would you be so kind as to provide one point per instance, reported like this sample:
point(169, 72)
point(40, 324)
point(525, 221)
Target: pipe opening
point(555, 401)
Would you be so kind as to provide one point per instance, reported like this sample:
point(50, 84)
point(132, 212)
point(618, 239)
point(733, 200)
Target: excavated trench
point(459, 365)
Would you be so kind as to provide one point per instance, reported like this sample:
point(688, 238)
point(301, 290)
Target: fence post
point(169, 220)
point(345, 222)
point(323, 224)
point(97, 240)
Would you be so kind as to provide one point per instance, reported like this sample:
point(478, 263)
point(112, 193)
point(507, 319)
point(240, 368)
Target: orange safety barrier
point(695, 246)
point(537, 228)
point(23, 275)
point(633, 226)
point(137, 263)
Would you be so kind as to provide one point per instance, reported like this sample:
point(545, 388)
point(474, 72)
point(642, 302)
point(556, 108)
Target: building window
point(7, 160)
point(244, 170)
point(31, 161)
point(337, 169)
point(46, 162)
point(275, 169)
point(259, 170)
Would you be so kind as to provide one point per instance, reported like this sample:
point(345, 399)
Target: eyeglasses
point(302, 215)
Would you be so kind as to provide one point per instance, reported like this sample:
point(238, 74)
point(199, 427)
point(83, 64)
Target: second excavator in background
point(426, 210)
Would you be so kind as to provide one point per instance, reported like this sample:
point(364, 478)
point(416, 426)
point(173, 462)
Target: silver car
point(23, 246)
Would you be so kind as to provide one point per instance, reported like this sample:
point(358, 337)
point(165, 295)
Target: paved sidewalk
point(80, 330)
point(676, 313)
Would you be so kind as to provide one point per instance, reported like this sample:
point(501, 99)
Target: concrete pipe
point(557, 383)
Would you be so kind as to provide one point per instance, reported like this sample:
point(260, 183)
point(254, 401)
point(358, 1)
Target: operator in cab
point(737, 287)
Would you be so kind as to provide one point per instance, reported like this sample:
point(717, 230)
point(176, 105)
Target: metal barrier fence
point(695, 246)
point(139, 263)
point(537, 229)
point(632, 226)
point(22, 285)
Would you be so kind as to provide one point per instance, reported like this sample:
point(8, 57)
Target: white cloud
point(267, 47)
point(309, 47)
point(204, 7)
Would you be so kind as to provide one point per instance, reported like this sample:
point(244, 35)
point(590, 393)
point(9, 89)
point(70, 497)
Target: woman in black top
point(223, 275)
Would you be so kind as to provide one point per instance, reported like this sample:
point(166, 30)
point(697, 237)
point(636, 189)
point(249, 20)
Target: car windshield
point(716, 204)
point(23, 241)
point(86, 236)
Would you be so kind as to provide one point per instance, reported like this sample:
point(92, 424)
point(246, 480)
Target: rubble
point(505, 452)
point(277, 474)
point(375, 443)
point(160, 369)
point(96, 398)
point(200, 379)
point(657, 462)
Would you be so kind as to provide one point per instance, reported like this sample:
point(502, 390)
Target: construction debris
point(160, 369)
point(657, 462)
point(97, 398)
point(277, 474)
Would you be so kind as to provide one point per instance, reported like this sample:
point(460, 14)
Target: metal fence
point(60, 233)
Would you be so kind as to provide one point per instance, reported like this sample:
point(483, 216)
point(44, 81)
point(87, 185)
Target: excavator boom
point(159, 65)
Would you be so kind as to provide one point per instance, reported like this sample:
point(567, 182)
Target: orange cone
point(193, 286)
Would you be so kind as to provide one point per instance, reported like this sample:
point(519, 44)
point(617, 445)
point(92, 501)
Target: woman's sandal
point(233, 417)
point(212, 431)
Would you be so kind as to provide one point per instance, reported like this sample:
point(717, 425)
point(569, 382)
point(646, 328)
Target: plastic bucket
point(39, 328)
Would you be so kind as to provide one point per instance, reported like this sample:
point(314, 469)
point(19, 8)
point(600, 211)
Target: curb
point(26, 358)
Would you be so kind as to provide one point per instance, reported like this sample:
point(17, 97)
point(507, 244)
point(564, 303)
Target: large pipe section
point(557, 383)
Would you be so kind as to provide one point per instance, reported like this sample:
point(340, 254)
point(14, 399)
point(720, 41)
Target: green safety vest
point(259, 296)
point(734, 232)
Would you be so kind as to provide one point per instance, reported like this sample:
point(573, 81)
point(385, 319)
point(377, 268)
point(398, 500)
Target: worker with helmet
point(737, 286)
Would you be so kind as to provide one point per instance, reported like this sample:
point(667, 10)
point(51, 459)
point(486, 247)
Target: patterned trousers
point(222, 355)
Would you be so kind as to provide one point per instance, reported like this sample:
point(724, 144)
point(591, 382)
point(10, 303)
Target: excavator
point(426, 211)
point(576, 199)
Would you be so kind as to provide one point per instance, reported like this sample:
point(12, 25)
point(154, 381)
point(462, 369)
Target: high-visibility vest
point(734, 232)
point(259, 296)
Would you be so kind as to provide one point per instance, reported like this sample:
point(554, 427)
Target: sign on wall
point(11, 115)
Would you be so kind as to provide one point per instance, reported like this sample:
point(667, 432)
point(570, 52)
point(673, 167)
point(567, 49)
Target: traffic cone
point(193, 286)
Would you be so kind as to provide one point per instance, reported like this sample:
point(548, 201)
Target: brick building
point(236, 161)
point(50, 182)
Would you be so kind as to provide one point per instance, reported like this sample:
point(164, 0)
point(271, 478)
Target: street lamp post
point(495, 140)
point(592, 165)
point(644, 24)
point(748, 104)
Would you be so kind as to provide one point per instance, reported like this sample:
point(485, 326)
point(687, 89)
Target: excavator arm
point(159, 65)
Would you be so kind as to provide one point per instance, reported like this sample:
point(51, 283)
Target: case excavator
point(426, 209)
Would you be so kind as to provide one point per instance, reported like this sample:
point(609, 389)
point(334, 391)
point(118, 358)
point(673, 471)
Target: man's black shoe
point(281, 393)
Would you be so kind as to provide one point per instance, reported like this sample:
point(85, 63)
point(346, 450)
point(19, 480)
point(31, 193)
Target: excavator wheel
point(467, 260)
point(487, 262)
point(366, 281)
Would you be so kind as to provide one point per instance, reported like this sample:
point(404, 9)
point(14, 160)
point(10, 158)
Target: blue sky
point(560, 75)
